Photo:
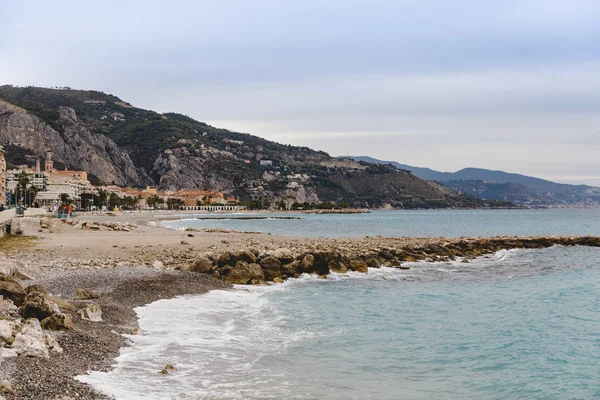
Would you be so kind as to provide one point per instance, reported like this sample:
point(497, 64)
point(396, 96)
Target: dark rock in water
point(83, 294)
point(11, 290)
point(59, 322)
point(168, 369)
point(271, 268)
point(339, 267)
point(320, 266)
point(35, 288)
point(359, 265)
point(202, 265)
point(386, 255)
point(37, 306)
point(372, 261)
point(307, 264)
point(244, 273)
point(292, 269)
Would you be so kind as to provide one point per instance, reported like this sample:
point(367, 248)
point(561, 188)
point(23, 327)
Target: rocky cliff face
point(75, 146)
point(117, 142)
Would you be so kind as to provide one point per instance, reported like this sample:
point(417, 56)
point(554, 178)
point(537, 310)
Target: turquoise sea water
point(409, 223)
point(518, 324)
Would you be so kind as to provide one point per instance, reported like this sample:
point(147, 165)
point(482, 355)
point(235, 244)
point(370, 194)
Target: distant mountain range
point(499, 185)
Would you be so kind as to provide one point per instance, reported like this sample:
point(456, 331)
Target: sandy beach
point(128, 261)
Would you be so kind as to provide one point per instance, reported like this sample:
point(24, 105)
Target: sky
point(509, 85)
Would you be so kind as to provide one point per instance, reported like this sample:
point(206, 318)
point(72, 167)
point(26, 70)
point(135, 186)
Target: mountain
point(499, 185)
point(117, 142)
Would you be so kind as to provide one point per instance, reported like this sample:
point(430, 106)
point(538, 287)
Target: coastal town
point(33, 186)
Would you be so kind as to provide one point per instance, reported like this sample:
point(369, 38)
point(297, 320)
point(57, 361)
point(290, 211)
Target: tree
point(65, 200)
point(130, 202)
point(174, 203)
point(114, 200)
point(154, 201)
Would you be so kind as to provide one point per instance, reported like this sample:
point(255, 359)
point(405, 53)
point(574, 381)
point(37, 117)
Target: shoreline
point(130, 264)
point(95, 345)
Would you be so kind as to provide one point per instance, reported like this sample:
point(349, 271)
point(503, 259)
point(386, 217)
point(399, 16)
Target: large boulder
point(292, 270)
point(31, 341)
point(91, 313)
point(283, 254)
point(232, 258)
point(35, 288)
point(271, 268)
point(372, 261)
point(244, 255)
point(319, 266)
point(8, 310)
point(339, 267)
point(11, 289)
point(7, 329)
point(59, 322)
point(358, 265)
point(244, 273)
point(7, 266)
point(202, 265)
point(37, 306)
point(306, 264)
point(83, 294)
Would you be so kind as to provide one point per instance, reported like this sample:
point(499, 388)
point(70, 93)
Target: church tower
point(49, 164)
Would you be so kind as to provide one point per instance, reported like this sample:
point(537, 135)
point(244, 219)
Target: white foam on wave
point(214, 340)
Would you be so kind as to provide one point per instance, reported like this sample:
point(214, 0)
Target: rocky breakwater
point(256, 266)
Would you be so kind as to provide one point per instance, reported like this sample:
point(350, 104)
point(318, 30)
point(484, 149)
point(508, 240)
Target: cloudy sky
point(511, 85)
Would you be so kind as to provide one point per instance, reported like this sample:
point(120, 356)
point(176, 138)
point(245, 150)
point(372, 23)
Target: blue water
point(518, 324)
point(422, 223)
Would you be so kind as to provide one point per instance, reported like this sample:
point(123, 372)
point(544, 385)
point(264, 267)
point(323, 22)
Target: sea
point(517, 324)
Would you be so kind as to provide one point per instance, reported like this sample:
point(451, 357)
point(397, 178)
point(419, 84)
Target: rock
point(358, 265)
point(21, 276)
point(6, 387)
point(37, 306)
point(35, 288)
point(244, 273)
point(11, 290)
point(278, 280)
point(30, 341)
point(61, 303)
point(7, 329)
point(372, 261)
point(158, 264)
point(284, 255)
point(91, 313)
point(338, 267)
point(7, 266)
point(271, 268)
point(168, 369)
point(7, 353)
point(52, 344)
point(244, 255)
point(307, 263)
point(8, 309)
point(59, 322)
point(83, 294)
point(320, 266)
point(202, 265)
